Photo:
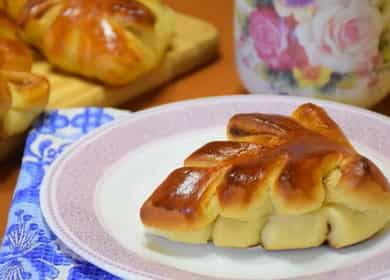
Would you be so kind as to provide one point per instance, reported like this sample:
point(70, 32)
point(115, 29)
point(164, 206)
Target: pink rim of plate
point(67, 203)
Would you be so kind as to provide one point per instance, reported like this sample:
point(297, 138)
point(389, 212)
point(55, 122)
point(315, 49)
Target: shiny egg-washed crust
point(23, 95)
point(276, 180)
point(114, 41)
point(14, 55)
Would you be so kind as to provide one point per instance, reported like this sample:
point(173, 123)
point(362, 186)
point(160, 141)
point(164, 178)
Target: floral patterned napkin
point(29, 249)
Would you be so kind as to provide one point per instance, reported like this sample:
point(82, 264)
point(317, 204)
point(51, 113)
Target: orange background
point(217, 78)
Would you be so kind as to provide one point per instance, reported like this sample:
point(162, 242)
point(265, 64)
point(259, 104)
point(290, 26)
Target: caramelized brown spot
point(241, 181)
point(357, 172)
point(182, 190)
point(236, 131)
point(261, 124)
point(224, 152)
point(297, 180)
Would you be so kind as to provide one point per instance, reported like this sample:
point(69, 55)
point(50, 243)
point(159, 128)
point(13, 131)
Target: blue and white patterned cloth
point(29, 249)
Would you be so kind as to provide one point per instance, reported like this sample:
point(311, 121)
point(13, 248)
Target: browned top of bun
point(288, 161)
point(114, 41)
point(95, 18)
point(23, 95)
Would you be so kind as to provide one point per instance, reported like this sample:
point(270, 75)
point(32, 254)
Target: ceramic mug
point(330, 49)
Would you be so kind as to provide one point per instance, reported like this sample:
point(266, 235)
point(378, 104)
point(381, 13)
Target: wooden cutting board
point(195, 43)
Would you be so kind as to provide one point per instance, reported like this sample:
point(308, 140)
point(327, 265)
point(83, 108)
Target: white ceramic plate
point(92, 196)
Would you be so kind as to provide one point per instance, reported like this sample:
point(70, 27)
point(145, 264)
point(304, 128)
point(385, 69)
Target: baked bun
point(114, 41)
point(23, 95)
point(282, 182)
point(14, 55)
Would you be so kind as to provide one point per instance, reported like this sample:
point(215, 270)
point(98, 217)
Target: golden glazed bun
point(284, 183)
point(23, 95)
point(14, 55)
point(114, 41)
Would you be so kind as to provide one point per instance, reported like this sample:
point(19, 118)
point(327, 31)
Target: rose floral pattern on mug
point(334, 49)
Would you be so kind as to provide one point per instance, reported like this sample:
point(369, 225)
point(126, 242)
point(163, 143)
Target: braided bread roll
point(23, 95)
point(114, 41)
point(282, 182)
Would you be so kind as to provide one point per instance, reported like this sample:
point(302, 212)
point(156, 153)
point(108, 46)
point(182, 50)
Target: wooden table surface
point(217, 78)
